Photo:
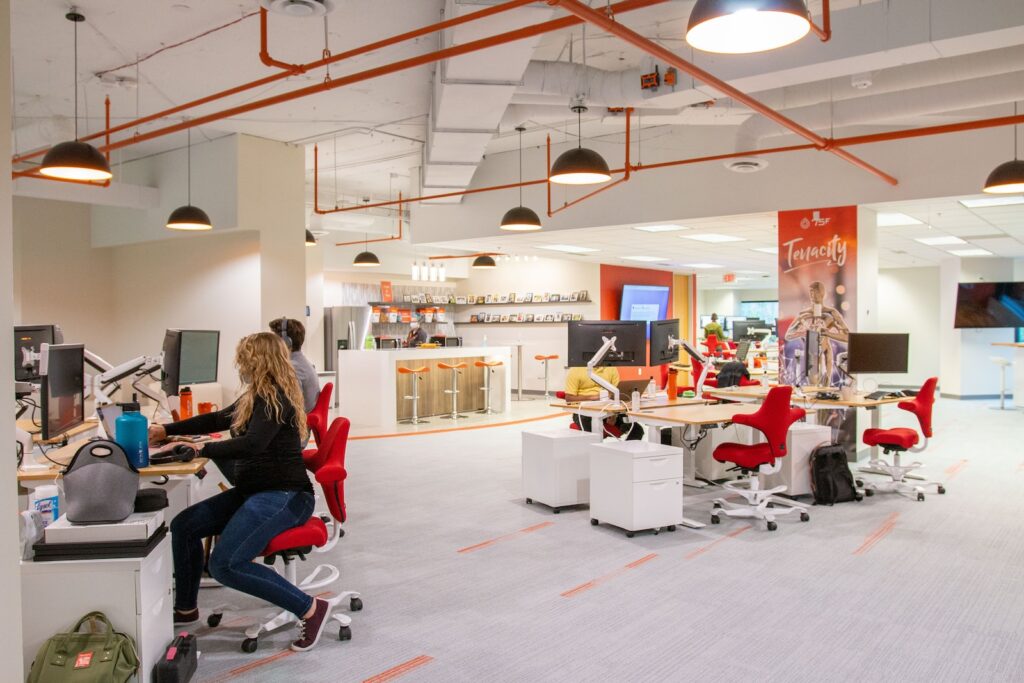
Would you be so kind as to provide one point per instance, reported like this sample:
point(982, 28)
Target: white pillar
point(314, 322)
point(867, 270)
point(10, 574)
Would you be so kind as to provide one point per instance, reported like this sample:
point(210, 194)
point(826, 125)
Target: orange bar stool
point(488, 367)
point(454, 391)
point(545, 360)
point(417, 377)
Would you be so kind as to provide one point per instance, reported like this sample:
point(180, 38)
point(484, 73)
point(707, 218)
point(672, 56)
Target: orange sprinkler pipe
point(825, 31)
point(609, 24)
point(624, 178)
point(265, 53)
point(433, 28)
point(393, 238)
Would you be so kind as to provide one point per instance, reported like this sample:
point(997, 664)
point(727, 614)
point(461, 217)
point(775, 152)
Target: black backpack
point(831, 479)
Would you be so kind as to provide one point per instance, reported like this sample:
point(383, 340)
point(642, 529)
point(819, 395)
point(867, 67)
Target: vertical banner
point(386, 292)
point(818, 304)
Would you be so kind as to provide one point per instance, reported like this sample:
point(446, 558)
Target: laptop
point(627, 387)
point(742, 349)
point(108, 416)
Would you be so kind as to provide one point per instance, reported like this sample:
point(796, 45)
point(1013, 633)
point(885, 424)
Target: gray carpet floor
point(888, 589)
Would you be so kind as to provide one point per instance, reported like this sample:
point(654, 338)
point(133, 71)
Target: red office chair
point(609, 428)
point(716, 347)
point(901, 439)
point(773, 419)
point(328, 466)
point(317, 418)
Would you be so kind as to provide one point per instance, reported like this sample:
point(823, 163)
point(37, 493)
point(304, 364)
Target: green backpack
point(75, 657)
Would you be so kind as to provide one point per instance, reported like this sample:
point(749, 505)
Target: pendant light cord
point(520, 166)
point(1016, 136)
point(188, 174)
point(75, 22)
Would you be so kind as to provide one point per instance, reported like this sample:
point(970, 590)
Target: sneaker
point(311, 628)
point(185, 616)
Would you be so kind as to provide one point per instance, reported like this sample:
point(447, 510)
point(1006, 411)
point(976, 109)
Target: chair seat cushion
point(312, 533)
point(746, 456)
point(901, 437)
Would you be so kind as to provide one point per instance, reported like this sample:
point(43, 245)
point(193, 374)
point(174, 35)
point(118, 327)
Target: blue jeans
point(245, 525)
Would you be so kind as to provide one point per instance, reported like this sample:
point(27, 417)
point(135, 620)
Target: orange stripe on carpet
point(400, 670)
point(252, 665)
point(506, 537)
point(572, 592)
point(878, 534)
point(458, 429)
point(732, 534)
point(955, 469)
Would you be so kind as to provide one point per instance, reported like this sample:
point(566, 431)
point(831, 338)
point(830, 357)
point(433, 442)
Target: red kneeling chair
point(327, 463)
point(317, 418)
point(899, 440)
point(609, 427)
point(773, 419)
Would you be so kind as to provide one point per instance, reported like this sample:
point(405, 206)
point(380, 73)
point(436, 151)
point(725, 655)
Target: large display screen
point(990, 304)
point(644, 302)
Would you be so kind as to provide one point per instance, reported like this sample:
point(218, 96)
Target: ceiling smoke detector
point(746, 165)
point(299, 8)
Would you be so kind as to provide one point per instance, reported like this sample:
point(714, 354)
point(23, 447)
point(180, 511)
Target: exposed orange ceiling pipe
point(409, 35)
point(430, 58)
point(625, 175)
point(608, 23)
point(825, 31)
point(943, 129)
point(393, 238)
point(479, 253)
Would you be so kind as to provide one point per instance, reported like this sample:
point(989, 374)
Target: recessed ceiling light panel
point(567, 248)
point(668, 227)
point(713, 238)
point(701, 266)
point(986, 202)
point(945, 240)
point(970, 252)
point(645, 259)
point(892, 220)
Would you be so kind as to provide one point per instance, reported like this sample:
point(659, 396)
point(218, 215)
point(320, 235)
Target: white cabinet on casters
point(556, 467)
point(636, 485)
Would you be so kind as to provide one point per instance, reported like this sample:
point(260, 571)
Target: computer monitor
point(644, 302)
point(741, 329)
point(62, 388)
point(190, 357)
point(453, 341)
point(586, 337)
point(730, 320)
point(705, 320)
point(388, 343)
point(877, 353)
point(28, 339)
point(989, 304)
point(662, 351)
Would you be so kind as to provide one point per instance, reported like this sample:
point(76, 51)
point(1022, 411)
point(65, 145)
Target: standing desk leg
point(690, 464)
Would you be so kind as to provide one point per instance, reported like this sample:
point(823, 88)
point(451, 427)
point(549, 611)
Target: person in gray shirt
point(304, 370)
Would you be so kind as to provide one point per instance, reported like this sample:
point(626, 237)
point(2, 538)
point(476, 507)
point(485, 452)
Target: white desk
point(134, 593)
point(368, 380)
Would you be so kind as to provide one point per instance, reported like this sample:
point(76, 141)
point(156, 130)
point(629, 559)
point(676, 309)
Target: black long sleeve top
point(267, 455)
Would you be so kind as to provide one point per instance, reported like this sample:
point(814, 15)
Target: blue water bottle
point(131, 431)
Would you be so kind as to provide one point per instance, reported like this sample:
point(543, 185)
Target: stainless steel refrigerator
point(345, 327)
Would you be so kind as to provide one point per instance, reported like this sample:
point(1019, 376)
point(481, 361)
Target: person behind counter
point(272, 492)
point(714, 328)
point(579, 387)
point(304, 370)
point(417, 335)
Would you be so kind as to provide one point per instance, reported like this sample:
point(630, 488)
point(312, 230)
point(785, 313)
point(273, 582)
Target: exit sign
point(729, 277)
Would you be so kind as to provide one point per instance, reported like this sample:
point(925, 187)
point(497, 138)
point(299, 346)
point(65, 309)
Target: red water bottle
point(185, 403)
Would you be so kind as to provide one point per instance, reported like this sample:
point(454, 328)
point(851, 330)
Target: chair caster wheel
point(858, 497)
point(671, 527)
point(593, 522)
point(213, 621)
point(345, 633)
point(772, 526)
point(529, 501)
point(920, 497)
point(656, 532)
point(714, 519)
point(355, 604)
point(556, 510)
point(859, 483)
point(942, 490)
point(249, 645)
point(804, 517)
point(630, 534)
point(869, 492)
point(717, 506)
point(770, 505)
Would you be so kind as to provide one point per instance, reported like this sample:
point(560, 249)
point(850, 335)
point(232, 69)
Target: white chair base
point(898, 475)
point(761, 504)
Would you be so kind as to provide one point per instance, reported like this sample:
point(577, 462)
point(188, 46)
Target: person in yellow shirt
point(579, 387)
point(714, 327)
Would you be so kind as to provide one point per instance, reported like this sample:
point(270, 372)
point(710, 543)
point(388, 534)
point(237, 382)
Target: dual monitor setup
point(41, 358)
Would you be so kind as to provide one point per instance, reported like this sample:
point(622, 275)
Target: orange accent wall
point(612, 279)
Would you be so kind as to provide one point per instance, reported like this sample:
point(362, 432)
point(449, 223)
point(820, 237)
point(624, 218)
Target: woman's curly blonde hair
point(263, 366)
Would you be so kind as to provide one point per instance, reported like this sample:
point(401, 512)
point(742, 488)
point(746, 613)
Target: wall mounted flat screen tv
point(990, 304)
point(644, 302)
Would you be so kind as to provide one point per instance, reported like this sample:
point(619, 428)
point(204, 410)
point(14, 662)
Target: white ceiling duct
point(519, 114)
point(299, 8)
point(890, 107)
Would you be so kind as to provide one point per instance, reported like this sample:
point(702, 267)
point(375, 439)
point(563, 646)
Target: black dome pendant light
point(74, 159)
point(189, 217)
point(365, 258)
point(310, 239)
point(484, 261)
point(1007, 177)
point(520, 218)
point(746, 26)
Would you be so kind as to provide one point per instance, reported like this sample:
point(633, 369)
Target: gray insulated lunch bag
point(100, 484)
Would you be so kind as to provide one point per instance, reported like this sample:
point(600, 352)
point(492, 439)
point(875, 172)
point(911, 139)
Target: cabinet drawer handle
point(657, 484)
point(661, 459)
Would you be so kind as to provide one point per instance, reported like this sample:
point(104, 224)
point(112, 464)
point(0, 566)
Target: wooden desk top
point(1012, 345)
point(670, 403)
point(696, 414)
point(36, 432)
point(169, 470)
point(804, 400)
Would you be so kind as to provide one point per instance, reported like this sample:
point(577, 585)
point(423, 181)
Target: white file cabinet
point(134, 593)
point(795, 474)
point(556, 467)
point(705, 465)
point(636, 485)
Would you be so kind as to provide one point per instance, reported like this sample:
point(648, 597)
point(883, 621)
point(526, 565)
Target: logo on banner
point(816, 220)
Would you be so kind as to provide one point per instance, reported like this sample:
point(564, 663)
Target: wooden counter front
point(433, 399)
